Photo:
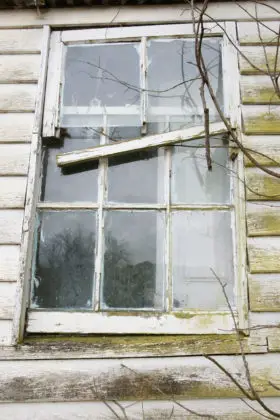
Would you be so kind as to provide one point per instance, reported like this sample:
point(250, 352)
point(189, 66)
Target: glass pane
point(65, 260)
point(202, 240)
point(133, 260)
point(101, 79)
point(76, 183)
point(174, 95)
point(135, 177)
point(192, 182)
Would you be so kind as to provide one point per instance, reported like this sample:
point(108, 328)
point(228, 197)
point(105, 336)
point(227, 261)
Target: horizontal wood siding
point(261, 33)
point(19, 68)
point(14, 159)
point(261, 186)
point(5, 332)
point(134, 379)
point(9, 262)
point(12, 192)
point(264, 292)
point(16, 127)
point(7, 300)
point(266, 148)
point(17, 98)
point(258, 90)
point(253, 60)
point(10, 226)
point(220, 409)
point(261, 119)
point(263, 219)
point(264, 254)
point(20, 41)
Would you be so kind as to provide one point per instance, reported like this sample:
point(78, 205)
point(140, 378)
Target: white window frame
point(140, 322)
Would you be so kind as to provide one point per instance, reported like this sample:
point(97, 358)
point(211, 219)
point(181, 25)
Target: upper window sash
point(60, 39)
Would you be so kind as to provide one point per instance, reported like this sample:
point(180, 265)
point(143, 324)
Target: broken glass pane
point(133, 260)
point(202, 241)
point(173, 88)
point(76, 183)
point(64, 269)
point(101, 80)
point(192, 182)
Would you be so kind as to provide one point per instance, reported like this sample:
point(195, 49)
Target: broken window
point(130, 220)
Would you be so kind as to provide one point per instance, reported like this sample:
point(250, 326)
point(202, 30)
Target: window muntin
point(147, 119)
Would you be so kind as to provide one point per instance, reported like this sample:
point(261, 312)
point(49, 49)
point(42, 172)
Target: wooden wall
point(50, 373)
point(19, 68)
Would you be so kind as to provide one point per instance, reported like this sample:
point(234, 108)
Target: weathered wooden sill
point(125, 346)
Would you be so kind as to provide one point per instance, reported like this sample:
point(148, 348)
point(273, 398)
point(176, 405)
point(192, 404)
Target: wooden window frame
point(141, 322)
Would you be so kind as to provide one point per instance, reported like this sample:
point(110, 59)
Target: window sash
point(132, 323)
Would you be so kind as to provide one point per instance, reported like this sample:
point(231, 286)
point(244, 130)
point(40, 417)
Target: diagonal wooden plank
point(148, 142)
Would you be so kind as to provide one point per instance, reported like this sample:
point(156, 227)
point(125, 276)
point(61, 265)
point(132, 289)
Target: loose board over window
point(133, 230)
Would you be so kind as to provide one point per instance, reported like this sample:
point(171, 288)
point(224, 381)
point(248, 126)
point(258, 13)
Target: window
point(132, 228)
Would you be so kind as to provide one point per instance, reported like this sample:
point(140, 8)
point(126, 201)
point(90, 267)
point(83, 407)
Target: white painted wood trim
point(41, 321)
point(110, 34)
point(157, 140)
point(51, 106)
point(22, 292)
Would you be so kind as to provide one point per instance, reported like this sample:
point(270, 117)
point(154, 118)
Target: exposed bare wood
point(19, 68)
point(7, 300)
point(263, 219)
point(134, 379)
point(138, 144)
point(9, 262)
point(264, 254)
point(16, 127)
point(17, 98)
point(14, 159)
point(248, 33)
point(10, 226)
point(257, 57)
point(258, 90)
point(264, 291)
point(20, 41)
point(261, 186)
point(261, 119)
point(267, 149)
point(12, 192)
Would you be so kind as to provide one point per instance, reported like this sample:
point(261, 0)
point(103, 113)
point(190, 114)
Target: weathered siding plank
point(253, 60)
point(17, 98)
point(261, 33)
point(264, 255)
point(220, 409)
point(134, 379)
point(14, 159)
point(261, 119)
point(105, 347)
point(261, 186)
point(16, 127)
point(20, 41)
point(267, 149)
point(5, 332)
point(263, 219)
point(264, 292)
point(7, 300)
point(12, 192)
point(10, 226)
point(258, 90)
point(19, 68)
point(9, 262)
